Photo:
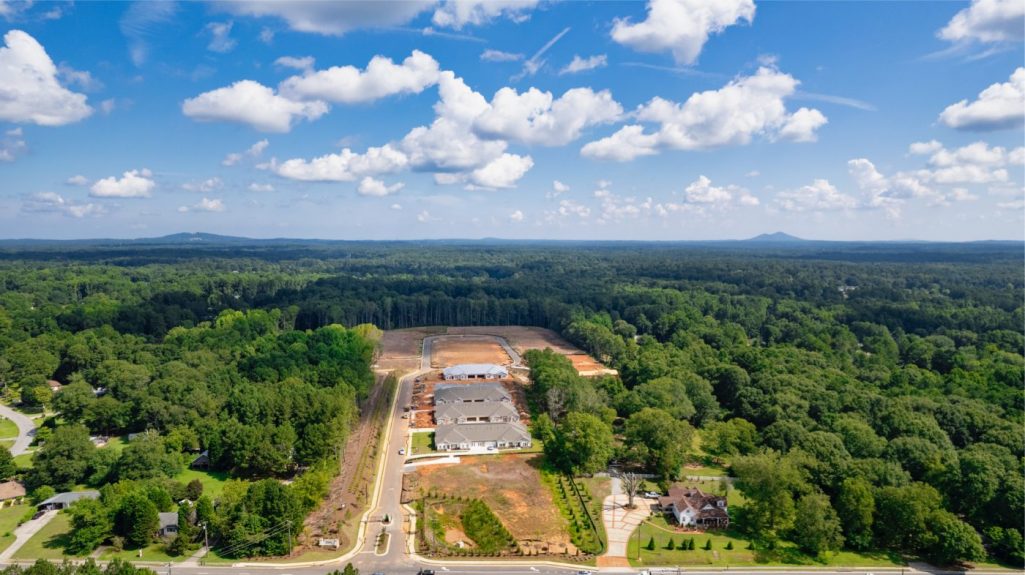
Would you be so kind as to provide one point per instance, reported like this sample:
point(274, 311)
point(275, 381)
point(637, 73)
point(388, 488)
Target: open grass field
point(49, 542)
point(511, 486)
point(741, 554)
point(446, 352)
point(213, 481)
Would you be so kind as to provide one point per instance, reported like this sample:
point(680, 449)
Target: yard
point(7, 428)
point(49, 542)
point(9, 517)
point(422, 442)
point(213, 481)
point(154, 552)
point(510, 484)
point(24, 461)
point(742, 553)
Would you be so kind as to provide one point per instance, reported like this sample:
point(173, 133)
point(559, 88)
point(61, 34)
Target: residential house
point(691, 507)
point(201, 461)
point(481, 436)
point(168, 524)
point(475, 371)
point(64, 500)
point(445, 393)
point(476, 412)
point(11, 493)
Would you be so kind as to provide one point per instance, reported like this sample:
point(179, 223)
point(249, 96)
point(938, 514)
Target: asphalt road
point(26, 429)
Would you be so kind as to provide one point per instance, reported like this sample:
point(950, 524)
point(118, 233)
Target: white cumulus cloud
point(253, 151)
point(205, 205)
point(305, 63)
point(331, 18)
point(681, 26)
point(345, 166)
point(536, 118)
point(30, 91)
point(701, 191)
point(987, 21)
point(516, 216)
point(204, 186)
point(502, 172)
point(459, 13)
point(998, 107)
point(131, 184)
point(747, 107)
point(220, 37)
point(349, 85)
point(372, 187)
point(818, 196)
point(55, 203)
point(249, 102)
point(579, 64)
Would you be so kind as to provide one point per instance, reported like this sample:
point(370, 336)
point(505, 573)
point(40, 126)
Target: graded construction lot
point(400, 349)
point(448, 352)
point(511, 486)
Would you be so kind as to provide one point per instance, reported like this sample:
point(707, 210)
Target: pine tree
point(651, 544)
point(708, 545)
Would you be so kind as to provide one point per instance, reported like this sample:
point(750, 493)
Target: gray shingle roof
point(503, 432)
point(168, 519)
point(465, 369)
point(489, 409)
point(457, 392)
point(70, 497)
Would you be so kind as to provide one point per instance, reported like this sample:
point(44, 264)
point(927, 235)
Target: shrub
point(708, 545)
point(651, 544)
point(729, 545)
point(481, 525)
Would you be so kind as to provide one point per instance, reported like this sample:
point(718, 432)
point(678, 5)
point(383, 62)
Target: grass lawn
point(423, 443)
point(49, 542)
point(213, 481)
point(153, 552)
point(786, 553)
point(9, 517)
point(117, 444)
point(7, 428)
point(23, 461)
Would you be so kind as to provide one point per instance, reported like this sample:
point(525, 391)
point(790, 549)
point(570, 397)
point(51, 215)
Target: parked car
point(651, 494)
point(38, 514)
point(425, 572)
point(402, 452)
point(491, 448)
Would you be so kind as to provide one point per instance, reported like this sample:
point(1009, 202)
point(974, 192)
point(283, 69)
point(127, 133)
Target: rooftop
point(456, 433)
point(461, 392)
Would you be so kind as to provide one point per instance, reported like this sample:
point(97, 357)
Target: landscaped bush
point(484, 527)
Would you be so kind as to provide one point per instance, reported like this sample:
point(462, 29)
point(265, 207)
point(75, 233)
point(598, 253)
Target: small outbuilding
point(201, 461)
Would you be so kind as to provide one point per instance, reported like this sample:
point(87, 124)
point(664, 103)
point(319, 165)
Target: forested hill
point(878, 385)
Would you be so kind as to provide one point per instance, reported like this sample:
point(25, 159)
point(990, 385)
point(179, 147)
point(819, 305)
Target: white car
point(402, 452)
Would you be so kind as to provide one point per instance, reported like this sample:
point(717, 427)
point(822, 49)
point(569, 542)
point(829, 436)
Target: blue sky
point(665, 120)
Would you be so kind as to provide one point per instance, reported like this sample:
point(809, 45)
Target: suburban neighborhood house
point(168, 523)
point(481, 435)
point(474, 371)
point(450, 393)
point(64, 500)
point(691, 507)
point(11, 493)
point(476, 412)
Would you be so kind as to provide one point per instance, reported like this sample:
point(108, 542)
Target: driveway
point(620, 522)
point(24, 532)
point(26, 429)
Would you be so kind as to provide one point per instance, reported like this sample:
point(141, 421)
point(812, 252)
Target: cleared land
point(511, 486)
point(49, 543)
point(400, 349)
point(446, 352)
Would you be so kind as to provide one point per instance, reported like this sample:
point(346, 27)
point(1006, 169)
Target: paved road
point(26, 429)
point(24, 532)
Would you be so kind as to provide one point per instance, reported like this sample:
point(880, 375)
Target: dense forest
point(864, 395)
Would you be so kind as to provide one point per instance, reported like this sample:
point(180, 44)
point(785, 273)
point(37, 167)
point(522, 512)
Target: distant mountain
point(776, 238)
point(193, 238)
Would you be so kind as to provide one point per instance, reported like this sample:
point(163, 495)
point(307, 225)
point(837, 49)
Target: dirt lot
point(511, 486)
point(400, 348)
point(522, 338)
point(447, 352)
